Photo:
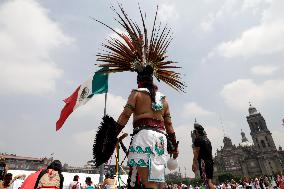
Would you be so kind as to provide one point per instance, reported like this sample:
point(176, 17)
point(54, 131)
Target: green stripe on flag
point(99, 83)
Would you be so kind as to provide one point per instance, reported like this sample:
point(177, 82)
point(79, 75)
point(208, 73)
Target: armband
point(172, 146)
point(131, 107)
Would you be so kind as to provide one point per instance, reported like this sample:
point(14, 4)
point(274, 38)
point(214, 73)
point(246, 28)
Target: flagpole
point(105, 104)
point(102, 166)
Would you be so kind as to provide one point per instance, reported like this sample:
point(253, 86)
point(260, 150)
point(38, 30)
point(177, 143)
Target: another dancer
point(202, 155)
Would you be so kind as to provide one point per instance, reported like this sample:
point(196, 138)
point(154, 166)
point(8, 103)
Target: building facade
point(261, 157)
point(15, 162)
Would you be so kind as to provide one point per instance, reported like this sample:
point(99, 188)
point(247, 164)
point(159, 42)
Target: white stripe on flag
point(83, 93)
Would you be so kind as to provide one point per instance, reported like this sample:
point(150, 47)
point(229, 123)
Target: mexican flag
point(95, 85)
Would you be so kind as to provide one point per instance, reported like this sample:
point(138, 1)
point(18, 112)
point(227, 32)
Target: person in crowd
point(281, 181)
point(226, 185)
point(18, 182)
point(256, 184)
point(179, 185)
point(266, 182)
point(75, 184)
point(7, 181)
point(261, 183)
point(3, 168)
point(240, 185)
point(273, 183)
point(109, 182)
point(202, 154)
point(88, 183)
point(51, 177)
point(233, 184)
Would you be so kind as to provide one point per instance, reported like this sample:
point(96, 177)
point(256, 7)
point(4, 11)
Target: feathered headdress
point(133, 50)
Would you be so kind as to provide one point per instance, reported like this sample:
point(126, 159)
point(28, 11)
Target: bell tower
point(260, 134)
point(267, 154)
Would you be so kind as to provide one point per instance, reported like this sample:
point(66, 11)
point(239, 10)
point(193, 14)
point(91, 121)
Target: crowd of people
point(51, 178)
point(263, 182)
point(109, 183)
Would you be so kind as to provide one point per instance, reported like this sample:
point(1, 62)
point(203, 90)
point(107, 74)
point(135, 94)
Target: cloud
point(264, 39)
point(207, 24)
point(278, 136)
point(167, 12)
point(96, 105)
point(228, 7)
point(263, 69)
point(238, 93)
point(253, 4)
point(83, 139)
point(231, 9)
point(195, 110)
point(28, 37)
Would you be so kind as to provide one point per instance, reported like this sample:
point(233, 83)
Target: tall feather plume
point(132, 51)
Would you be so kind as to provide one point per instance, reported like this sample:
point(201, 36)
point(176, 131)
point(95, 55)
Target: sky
point(231, 53)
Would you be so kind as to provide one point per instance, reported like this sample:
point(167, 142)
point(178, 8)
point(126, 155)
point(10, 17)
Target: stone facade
point(15, 162)
point(88, 168)
point(260, 157)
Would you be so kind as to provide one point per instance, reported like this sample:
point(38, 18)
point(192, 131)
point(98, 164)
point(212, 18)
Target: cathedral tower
point(267, 154)
point(260, 134)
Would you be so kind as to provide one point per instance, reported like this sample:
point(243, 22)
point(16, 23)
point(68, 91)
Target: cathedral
point(261, 157)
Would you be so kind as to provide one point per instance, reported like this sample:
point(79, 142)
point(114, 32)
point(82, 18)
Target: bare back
point(140, 105)
point(143, 108)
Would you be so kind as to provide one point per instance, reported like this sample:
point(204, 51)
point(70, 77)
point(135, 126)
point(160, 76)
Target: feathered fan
point(133, 50)
point(105, 141)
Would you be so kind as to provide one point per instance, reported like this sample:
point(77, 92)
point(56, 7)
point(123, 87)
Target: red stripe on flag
point(68, 109)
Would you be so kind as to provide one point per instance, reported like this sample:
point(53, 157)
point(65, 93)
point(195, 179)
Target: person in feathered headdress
point(153, 130)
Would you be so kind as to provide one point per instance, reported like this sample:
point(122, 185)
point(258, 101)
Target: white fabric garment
point(109, 187)
point(149, 149)
point(16, 184)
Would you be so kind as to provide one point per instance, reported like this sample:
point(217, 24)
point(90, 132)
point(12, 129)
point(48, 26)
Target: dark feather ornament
point(105, 141)
point(134, 49)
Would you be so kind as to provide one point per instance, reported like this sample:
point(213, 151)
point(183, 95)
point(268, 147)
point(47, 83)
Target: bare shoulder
point(137, 93)
point(133, 94)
